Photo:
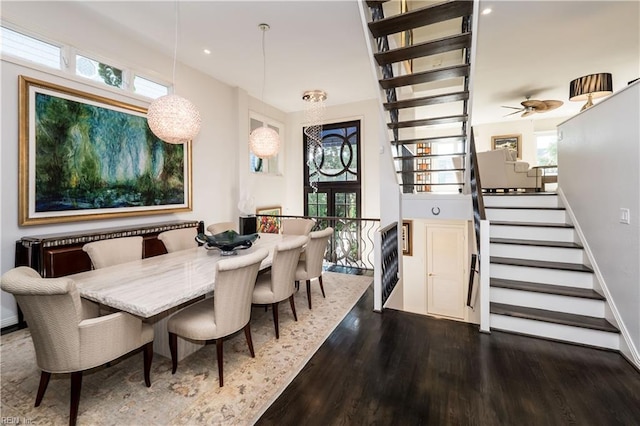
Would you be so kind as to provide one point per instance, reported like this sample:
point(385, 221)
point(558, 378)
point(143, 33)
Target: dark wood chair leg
point(148, 357)
point(292, 302)
point(297, 285)
point(76, 387)
point(44, 382)
point(321, 286)
point(309, 292)
point(247, 334)
point(219, 354)
point(274, 306)
point(173, 348)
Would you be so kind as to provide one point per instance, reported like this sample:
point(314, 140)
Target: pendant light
point(173, 118)
point(264, 142)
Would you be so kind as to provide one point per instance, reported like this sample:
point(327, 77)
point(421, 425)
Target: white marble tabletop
point(153, 285)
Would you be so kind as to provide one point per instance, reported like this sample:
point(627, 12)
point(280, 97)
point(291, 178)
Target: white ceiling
point(525, 48)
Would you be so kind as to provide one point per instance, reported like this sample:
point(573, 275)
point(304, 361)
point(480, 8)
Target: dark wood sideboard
point(57, 255)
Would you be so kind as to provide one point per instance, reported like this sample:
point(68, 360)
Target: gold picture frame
point(407, 238)
point(87, 157)
point(508, 142)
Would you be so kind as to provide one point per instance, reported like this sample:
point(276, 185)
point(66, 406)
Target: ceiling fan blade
point(528, 113)
point(520, 108)
point(552, 104)
point(514, 112)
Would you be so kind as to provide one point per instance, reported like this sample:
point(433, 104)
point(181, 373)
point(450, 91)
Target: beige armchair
point(278, 284)
point(67, 333)
point(500, 170)
point(179, 239)
point(297, 226)
point(226, 313)
point(310, 266)
point(114, 251)
point(216, 228)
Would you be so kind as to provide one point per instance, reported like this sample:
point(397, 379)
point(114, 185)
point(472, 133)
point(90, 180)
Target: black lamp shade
point(596, 85)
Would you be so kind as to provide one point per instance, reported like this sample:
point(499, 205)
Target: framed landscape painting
point(509, 142)
point(85, 157)
point(267, 220)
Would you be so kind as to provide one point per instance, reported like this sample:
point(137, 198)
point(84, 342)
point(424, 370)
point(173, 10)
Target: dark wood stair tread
point(518, 194)
point(429, 121)
point(420, 17)
point(559, 290)
point(523, 208)
point(541, 264)
point(554, 317)
point(428, 100)
point(420, 50)
point(540, 224)
point(436, 139)
point(537, 243)
point(426, 76)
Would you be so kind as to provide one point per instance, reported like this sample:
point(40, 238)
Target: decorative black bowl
point(227, 242)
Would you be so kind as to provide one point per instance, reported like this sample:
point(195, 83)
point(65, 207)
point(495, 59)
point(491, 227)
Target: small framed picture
point(407, 238)
point(268, 219)
point(508, 142)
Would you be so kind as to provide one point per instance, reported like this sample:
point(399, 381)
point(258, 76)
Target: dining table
point(155, 288)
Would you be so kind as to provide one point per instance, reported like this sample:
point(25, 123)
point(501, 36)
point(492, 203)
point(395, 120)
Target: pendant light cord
point(175, 48)
point(264, 28)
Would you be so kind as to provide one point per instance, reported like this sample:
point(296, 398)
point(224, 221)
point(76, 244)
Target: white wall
point(598, 172)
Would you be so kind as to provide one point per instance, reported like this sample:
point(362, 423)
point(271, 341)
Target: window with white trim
point(18, 44)
point(22, 46)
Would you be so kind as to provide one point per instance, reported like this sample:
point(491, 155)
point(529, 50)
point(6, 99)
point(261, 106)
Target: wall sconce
point(590, 87)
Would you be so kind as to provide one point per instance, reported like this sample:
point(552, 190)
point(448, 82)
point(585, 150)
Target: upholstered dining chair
point(297, 226)
point(278, 284)
point(114, 251)
point(179, 239)
point(227, 312)
point(67, 333)
point(216, 228)
point(310, 266)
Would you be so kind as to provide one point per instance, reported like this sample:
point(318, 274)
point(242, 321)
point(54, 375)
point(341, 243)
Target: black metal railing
point(352, 242)
point(389, 264)
point(478, 211)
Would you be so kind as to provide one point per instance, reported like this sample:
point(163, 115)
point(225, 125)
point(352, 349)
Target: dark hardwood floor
point(398, 368)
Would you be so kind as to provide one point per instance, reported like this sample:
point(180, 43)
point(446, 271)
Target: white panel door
point(446, 262)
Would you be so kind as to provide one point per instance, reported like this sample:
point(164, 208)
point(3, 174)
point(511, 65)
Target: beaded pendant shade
point(264, 142)
point(173, 118)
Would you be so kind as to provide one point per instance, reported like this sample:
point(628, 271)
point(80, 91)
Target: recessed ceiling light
point(486, 11)
point(207, 52)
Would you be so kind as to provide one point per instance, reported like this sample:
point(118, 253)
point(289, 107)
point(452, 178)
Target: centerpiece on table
point(228, 242)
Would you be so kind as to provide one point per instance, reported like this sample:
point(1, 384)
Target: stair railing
point(386, 274)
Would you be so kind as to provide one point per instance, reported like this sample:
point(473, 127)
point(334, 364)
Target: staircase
point(539, 282)
point(424, 58)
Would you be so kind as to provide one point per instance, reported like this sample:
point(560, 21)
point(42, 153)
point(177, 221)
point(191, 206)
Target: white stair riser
point(549, 302)
point(527, 215)
point(551, 254)
point(542, 275)
point(533, 233)
point(584, 336)
point(520, 200)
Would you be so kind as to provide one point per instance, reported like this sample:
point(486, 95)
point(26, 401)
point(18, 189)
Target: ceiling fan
point(531, 106)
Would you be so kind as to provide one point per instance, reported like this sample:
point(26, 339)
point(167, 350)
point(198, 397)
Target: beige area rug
point(117, 395)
